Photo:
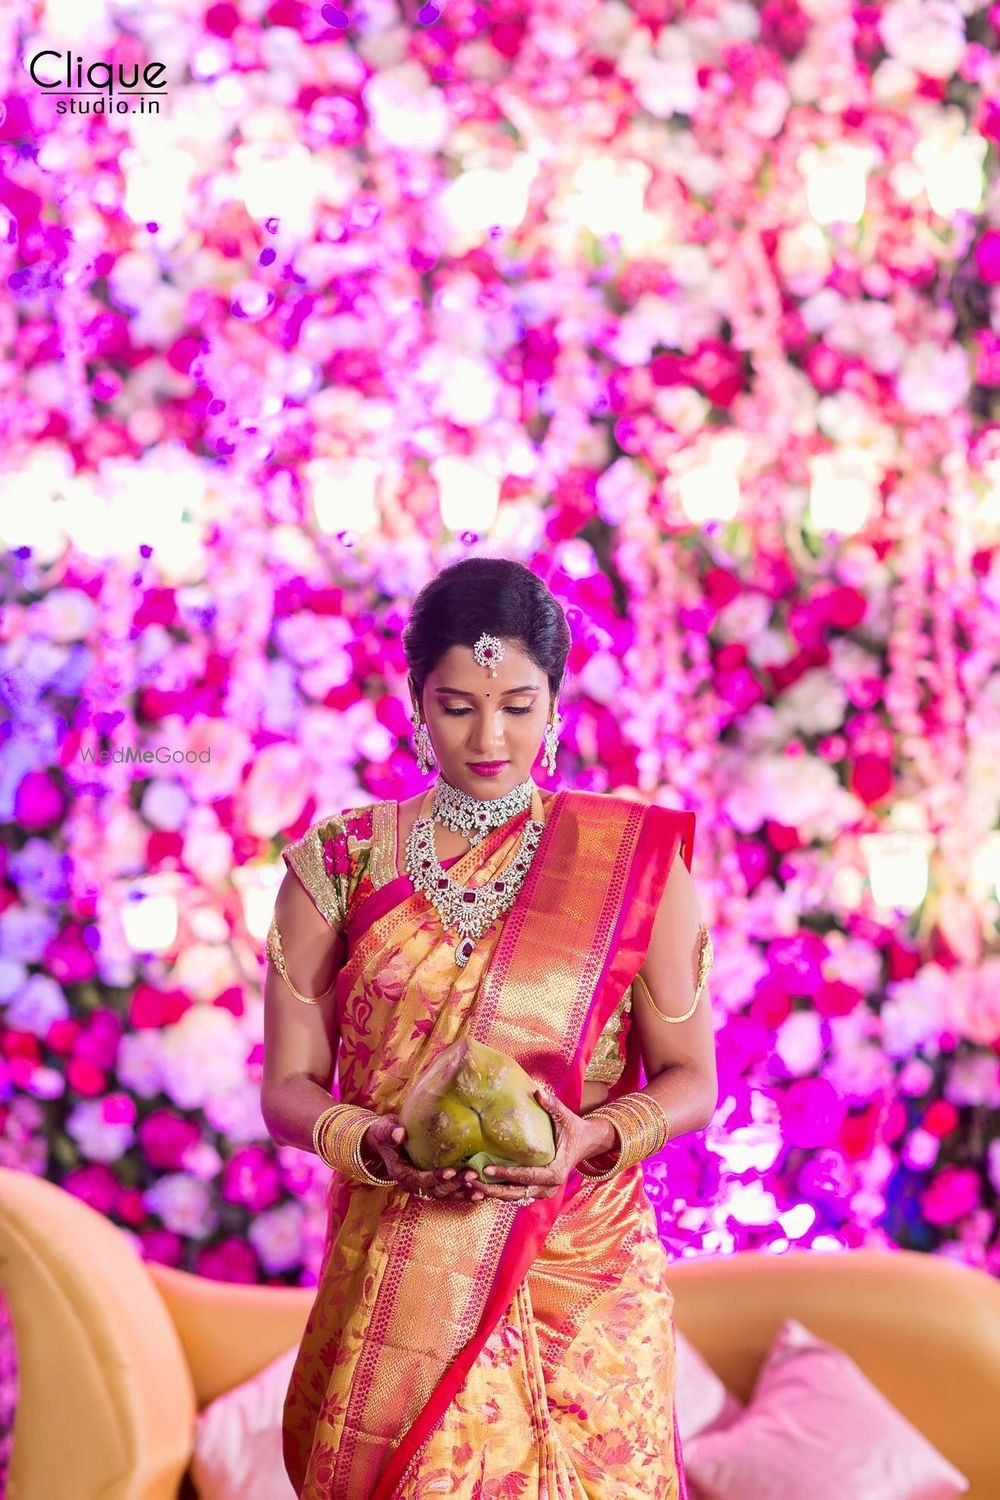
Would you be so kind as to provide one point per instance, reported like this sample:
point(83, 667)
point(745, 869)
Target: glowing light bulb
point(898, 864)
point(257, 885)
point(841, 494)
point(952, 170)
point(156, 188)
point(484, 197)
point(469, 496)
point(344, 494)
point(706, 477)
point(608, 196)
point(836, 180)
point(283, 181)
point(148, 913)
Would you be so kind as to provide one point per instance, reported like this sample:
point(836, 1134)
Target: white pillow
point(237, 1445)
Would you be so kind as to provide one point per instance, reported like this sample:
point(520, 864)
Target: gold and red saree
point(492, 1349)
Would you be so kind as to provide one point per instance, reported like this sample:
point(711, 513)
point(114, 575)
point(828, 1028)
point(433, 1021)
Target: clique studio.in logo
point(98, 88)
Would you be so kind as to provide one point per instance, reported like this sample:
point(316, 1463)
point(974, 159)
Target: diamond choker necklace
point(465, 909)
point(473, 816)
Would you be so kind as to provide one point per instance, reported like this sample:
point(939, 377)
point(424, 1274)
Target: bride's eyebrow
point(531, 687)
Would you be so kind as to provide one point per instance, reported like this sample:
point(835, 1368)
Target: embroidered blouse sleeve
point(331, 861)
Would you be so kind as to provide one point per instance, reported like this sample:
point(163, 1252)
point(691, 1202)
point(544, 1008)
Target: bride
point(513, 1336)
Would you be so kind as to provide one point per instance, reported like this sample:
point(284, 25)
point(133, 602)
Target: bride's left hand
point(572, 1145)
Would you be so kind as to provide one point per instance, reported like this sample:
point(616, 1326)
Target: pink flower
point(971, 1002)
point(953, 1193)
point(85, 1077)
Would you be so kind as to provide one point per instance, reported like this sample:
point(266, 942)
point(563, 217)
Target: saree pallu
point(494, 1349)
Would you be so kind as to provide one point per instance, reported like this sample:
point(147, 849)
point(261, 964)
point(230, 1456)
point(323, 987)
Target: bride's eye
point(459, 713)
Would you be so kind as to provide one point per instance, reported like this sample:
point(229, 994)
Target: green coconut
point(475, 1107)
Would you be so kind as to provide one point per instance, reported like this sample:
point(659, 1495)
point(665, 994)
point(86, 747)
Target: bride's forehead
point(511, 667)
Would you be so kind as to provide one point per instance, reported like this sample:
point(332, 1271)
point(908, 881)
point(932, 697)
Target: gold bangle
point(627, 1128)
point(642, 1126)
point(336, 1111)
point(276, 954)
point(706, 957)
point(339, 1133)
point(650, 1123)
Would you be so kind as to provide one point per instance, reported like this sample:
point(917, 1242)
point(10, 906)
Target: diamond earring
point(552, 742)
point(422, 743)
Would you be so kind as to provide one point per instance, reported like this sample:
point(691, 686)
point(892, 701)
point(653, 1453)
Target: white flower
point(97, 1139)
point(64, 615)
point(406, 109)
point(913, 1016)
point(276, 1235)
point(928, 35)
point(184, 1204)
point(799, 1042)
point(203, 1054)
point(622, 490)
point(815, 704)
point(798, 791)
point(934, 381)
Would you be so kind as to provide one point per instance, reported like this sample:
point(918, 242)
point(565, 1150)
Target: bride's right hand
point(386, 1136)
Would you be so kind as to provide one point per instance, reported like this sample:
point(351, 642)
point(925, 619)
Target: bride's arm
point(678, 1049)
point(300, 1040)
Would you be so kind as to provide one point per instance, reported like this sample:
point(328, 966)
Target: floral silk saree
point(492, 1349)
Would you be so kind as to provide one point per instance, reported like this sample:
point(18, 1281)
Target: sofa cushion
point(237, 1445)
point(703, 1402)
point(816, 1425)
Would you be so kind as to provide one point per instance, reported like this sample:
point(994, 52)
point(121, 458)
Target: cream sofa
point(117, 1356)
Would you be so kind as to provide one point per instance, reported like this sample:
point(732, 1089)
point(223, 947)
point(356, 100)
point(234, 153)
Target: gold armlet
point(276, 954)
point(706, 957)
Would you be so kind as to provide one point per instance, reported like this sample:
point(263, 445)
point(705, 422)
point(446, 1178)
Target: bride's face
point(474, 719)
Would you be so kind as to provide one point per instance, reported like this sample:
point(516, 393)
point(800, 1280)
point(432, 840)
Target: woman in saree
point(510, 1334)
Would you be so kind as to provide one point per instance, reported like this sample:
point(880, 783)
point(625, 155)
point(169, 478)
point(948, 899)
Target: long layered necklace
point(470, 910)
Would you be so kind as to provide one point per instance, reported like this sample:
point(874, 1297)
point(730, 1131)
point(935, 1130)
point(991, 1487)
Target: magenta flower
point(165, 1136)
point(811, 1113)
point(38, 802)
point(954, 1192)
point(95, 1184)
point(231, 1260)
point(251, 1177)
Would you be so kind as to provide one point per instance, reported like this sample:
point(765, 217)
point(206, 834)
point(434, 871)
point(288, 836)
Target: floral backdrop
point(695, 309)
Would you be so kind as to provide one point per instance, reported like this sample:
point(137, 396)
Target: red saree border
point(656, 833)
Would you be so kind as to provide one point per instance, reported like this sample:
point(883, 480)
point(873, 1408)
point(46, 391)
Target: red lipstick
point(487, 767)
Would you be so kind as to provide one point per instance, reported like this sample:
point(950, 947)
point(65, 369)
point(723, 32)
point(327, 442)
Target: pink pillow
point(703, 1403)
point(237, 1444)
point(817, 1426)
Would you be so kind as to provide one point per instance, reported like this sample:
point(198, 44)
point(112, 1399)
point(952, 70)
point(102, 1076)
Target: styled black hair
point(494, 595)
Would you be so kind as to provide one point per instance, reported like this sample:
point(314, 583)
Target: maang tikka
point(486, 651)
